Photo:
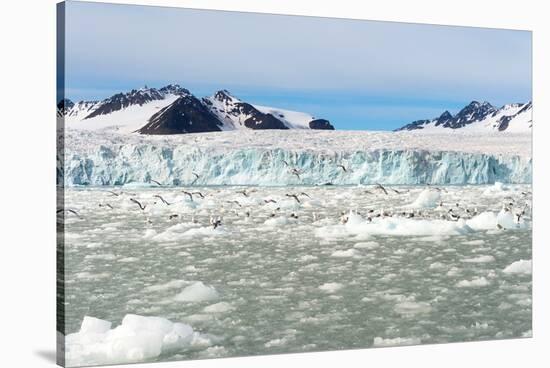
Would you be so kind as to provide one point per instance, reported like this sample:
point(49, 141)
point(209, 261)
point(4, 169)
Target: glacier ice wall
point(123, 164)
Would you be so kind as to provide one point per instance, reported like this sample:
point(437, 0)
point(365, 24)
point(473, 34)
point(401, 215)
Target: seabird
point(305, 194)
point(398, 192)
point(105, 205)
point(215, 223)
point(245, 193)
point(156, 182)
point(236, 202)
point(173, 217)
point(453, 216)
point(162, 199)
point(342, 167)
point(379, 186)
point(294, 196)
point(296, 172)
point(190, 195)
point(344, 218)
point(197, 176)
point(141, 207)
point(286, 163)
point(114, 193)
point(70, 211)
point(199, 194)
point(270, 201)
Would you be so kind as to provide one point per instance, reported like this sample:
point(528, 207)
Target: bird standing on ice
point(215, 222)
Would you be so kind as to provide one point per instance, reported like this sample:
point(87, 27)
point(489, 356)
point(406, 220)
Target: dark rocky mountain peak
point(444, 118)
point(174, 89)
point(321, 124)
point(185, 115)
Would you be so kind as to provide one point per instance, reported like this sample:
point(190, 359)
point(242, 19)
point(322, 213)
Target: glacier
point(268, 159)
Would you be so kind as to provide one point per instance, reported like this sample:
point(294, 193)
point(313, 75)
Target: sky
point(358, 74)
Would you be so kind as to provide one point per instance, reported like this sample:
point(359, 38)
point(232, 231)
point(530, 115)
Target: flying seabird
point(305, 194)
point(173, 216)
point(245, 193)
point(162, 199)
point(236, 202)
point(70, 211)
point(114, 193)
point(296, 172)
point(270, 201)
point(197, 176)
point(188, 194)
point(199, 194)
point(342, 167)
point(105, 205)
point(379, 186)
point(141, 207)
point(294, 196)
point(398, 192)
point(156, 182)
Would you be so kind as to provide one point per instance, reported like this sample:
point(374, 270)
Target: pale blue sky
point(357, 74)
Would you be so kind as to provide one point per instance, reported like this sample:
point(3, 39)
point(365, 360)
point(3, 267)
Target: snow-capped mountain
point(174, 110)
point(236, 114)
point(482, 117)
point(187, 114)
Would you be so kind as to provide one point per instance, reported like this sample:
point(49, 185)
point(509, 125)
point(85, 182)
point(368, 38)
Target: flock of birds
point(446, 211)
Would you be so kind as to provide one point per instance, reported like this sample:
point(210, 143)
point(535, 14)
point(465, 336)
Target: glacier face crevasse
point(123, 164)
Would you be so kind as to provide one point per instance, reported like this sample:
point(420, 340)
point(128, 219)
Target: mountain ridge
point(173, 109)
point(479, 116)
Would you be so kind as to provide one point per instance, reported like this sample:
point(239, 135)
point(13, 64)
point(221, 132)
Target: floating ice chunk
point(276, 221)
point(103, 257)
point(396, 226)
point(507, 220)
point(204, 231)
point(474, 242)
point(136, 339)
point(497, 189)
point(411, 308)
point(174, 284)
point(220, 307)
point(436, 266)
point(276, 342)
point(367, 245)
point(476, 282)
point(428, 198)
point(519, 267)
point(483, 221)
point(354, 219)
point(94, 325)
point(344, 253)
point(197, 292)
point(398, 341)
point(331, 287)
point(213, 352)
point(480, 259)
point(307, 258)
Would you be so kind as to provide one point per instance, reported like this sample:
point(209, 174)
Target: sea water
point(357, 268)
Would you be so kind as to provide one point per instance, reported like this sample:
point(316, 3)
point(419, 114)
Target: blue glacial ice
point(175, 164)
